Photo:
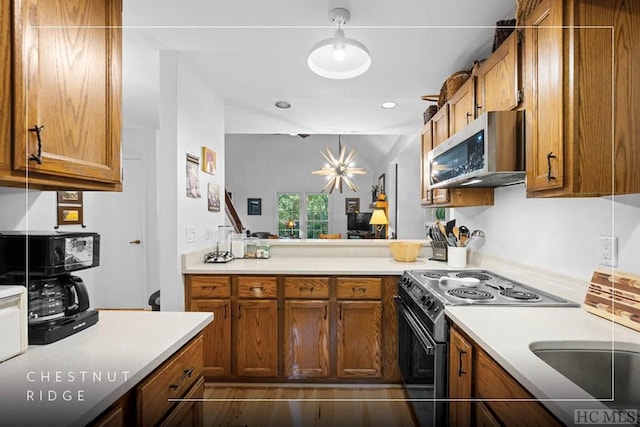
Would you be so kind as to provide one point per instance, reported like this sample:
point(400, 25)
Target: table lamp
point(290, 225)
point(379, 220)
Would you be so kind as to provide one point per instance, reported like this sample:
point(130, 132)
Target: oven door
point(423, 365)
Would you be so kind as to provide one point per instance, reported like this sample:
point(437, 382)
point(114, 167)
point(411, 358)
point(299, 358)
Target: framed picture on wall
point(213, 197)
point(381, 189)
point(193, 178)
point(351, 205)
point(68, 215)
point(208, 161)
point(254, 206)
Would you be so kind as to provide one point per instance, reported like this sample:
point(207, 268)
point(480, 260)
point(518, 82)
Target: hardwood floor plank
point(258, 405)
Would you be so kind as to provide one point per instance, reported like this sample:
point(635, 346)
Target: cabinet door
point(217, 337)
point(460, 357)
point(67, 78)
point(462, 107)
point(497, 78)
point(359, 339)
point(440, 132)
point(440, 122)
point(543, 97)
point(306, 339)
point(427, 145)
point(256, 338)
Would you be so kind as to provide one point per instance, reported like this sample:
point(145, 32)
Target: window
point(317, 214)
point(290, 212)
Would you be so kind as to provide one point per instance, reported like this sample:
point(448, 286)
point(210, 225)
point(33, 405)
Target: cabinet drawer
point(171, 380)
point(359, 288)
point(257, 287)
point(306, 287)
point(210, 286)
point(189, 412)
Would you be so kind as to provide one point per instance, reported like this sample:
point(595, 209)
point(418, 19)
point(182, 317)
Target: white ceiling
point(254, 52)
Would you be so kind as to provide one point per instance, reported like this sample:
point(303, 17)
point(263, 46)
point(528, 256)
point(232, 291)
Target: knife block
point(439, 251)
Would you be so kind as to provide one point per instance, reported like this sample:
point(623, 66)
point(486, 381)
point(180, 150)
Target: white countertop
point(506, 333)
point(312, 265)
point(93, 368)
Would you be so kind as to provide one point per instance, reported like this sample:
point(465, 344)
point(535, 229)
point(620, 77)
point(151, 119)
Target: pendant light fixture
point(339, 169)
point(339, 57)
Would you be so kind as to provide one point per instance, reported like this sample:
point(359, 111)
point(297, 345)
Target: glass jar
point(237, 245)
point(263, 249)
point(250, 244)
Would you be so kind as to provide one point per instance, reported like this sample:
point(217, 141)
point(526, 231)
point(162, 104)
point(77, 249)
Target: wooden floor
point(259, 405)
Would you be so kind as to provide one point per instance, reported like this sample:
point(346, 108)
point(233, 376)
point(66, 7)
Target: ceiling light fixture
point(389, 105)
point(339, 169)
point(282, 104)
point(339, 57)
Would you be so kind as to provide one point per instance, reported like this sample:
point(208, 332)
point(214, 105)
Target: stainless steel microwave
point(47, 253)
point(488, 152)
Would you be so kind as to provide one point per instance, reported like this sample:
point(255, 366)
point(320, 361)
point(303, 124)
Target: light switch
point(191, 233)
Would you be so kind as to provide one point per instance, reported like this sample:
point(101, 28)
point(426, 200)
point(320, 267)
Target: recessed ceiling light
point(388, 105)
point(282, 104)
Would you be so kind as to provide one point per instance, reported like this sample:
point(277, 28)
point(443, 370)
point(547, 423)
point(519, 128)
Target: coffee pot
point(55, 299)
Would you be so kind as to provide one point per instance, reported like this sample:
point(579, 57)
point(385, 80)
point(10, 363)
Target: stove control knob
point(423, 299)
point(429, 303)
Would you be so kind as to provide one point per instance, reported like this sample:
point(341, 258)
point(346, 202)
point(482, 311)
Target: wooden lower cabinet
point(496, 392)
point(359, 339)
point(166, 397)
point(217, 336)
point(306, 338)
point(256, 338)
point(189, 412)
point(297, 328)
point(460, 374)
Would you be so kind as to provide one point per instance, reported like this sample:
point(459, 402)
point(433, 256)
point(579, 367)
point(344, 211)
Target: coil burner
point(470, 294)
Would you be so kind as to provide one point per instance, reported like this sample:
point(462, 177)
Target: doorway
point(122, 283)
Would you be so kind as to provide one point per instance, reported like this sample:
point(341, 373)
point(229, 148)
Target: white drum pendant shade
point(339, 57)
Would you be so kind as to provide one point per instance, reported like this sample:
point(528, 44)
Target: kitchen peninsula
point(123, 369)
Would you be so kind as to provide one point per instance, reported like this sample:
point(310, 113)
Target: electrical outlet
point(191, 233)
point(608, 251)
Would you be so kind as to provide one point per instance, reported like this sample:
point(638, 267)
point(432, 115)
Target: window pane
point(288, 210)
point(317, 214)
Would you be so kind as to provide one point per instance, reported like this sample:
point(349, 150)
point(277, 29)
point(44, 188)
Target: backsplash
point(559, 234)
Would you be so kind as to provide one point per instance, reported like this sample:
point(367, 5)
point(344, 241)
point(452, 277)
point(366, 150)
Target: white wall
point(34, 210)
point(259, 166)
point(559, 234)
point(191, 116)
point(406, 154)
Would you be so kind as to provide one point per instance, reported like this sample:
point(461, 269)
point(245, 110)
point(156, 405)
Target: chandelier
point(339, 169)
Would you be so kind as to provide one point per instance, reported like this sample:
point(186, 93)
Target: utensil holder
point(439, 250)
point(457, 257)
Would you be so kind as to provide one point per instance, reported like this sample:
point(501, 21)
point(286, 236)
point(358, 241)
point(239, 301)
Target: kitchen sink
point(604, 371)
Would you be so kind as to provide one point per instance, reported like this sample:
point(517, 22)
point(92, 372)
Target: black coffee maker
point(43, 261)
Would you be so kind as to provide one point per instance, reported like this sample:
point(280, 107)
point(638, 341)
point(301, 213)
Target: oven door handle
point(421, 333)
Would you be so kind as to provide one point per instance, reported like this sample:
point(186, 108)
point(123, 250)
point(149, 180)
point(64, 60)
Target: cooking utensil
point(469, 282)
point(449, 226)
point(476, 241)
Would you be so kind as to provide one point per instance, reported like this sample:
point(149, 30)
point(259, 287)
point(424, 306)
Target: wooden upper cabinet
point(66, 85)
point(498, 83)
point(462, 106)
point(427, 145)
point(582, 129)
point(440, 121)
point(544, 98)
